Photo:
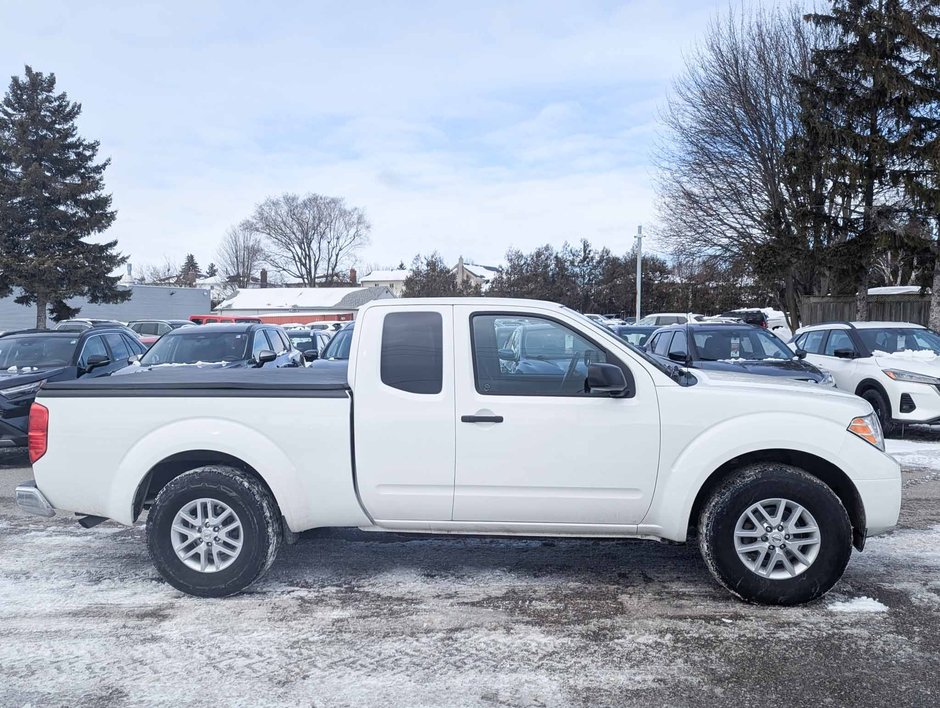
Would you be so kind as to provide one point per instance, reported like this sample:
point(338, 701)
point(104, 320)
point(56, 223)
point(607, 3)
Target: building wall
point(396, 286)
point(147, 302)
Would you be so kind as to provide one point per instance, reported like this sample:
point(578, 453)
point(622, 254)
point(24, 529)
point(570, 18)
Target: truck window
point(412, 356)
point(541, 357)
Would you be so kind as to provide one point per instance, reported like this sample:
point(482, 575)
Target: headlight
point(827, 379)
point(868, 428)
point(22, 390)
point(910, 377)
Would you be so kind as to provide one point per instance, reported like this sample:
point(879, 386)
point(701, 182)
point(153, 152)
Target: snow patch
point(858, 604)
point(908, 355)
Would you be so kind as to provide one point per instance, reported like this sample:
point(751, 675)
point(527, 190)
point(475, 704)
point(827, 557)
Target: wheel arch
point(168, 469)
point(825, 471)
point(869, 384)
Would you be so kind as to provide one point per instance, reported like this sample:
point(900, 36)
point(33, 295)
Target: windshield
point(898, 339)
point(19, 353)
point(338, 348)
point(304, 341)
point(738, 344)
point(200, 346)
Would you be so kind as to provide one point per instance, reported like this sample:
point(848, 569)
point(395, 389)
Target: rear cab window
point(412, 353)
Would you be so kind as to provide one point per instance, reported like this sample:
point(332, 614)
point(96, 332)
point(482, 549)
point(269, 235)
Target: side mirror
point(680, 357)
point(607, 378)
point(801, 354)
point(265, 356)
point(96, 361)
point(844, 353)
point(506, 354)
point(133, 359)
point(311, 355)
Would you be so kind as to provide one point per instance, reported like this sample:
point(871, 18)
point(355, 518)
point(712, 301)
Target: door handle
point(481, 419)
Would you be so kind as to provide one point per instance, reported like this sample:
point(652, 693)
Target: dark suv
point(29, 358)
point(739, 348)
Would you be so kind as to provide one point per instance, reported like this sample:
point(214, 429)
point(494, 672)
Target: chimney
point(352, 276)
point(263, 282)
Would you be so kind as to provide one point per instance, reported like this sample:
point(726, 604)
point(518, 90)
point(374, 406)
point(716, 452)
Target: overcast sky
point(465, 127)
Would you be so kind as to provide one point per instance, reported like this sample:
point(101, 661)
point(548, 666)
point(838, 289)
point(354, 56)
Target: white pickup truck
point(472, 416)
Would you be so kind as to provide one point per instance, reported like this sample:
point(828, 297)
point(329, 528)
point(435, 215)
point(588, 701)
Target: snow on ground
point(859, 604)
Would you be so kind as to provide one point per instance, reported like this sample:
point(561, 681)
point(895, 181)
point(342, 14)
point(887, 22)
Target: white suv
point(895, 366)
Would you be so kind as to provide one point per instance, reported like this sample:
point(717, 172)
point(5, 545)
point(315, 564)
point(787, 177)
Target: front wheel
point(882, 409)
point(774, 534)
point(213, 531)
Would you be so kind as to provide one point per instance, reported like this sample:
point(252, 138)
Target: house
point(394, 280)
point(474, 274)
point(279, 305)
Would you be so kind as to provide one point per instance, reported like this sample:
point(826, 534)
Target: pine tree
point(863, 85)
point(189, 272)
point(211, 270)
point(430, 277)
point(51, 199)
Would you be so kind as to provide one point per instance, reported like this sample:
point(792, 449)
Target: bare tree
point(240, 256)
point(167, 272)
point(723, 186)
point(309, 238)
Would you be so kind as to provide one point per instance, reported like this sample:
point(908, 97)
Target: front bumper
point(32, 501)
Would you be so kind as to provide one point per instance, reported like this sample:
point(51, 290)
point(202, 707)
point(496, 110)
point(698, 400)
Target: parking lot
point(353, 618)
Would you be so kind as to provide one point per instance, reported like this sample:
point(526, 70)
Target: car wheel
point(213, 531)
point(882, 409)
point(773, 534)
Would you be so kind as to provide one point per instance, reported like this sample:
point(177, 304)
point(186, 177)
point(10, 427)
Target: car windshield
point(31, 352)
point(199, 346)
point(738, 344)
point(303, 341)
point(338, 348)
point(899, 339)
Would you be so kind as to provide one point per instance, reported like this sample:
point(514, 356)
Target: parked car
point(309, 342)
point(766, 317)
point(150, 331)
point(335, 355)
point(600, 319)
point(229, 346)
point(81, 324)
point(738, 348)
point(895, 366)
point(661, 319)
point(431, 433)
point(30, 358)
point(328, 325)
point(633, 334)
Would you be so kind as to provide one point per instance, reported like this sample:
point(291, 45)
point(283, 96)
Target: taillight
point(38, 431)
point(763, 324)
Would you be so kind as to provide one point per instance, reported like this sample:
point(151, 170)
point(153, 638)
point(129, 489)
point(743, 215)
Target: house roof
point(895, 290)
point(481, 271)
point(382, 276)
point(303, 298)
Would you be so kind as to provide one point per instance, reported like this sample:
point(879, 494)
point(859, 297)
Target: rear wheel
point(882, 409)
point(213, 531)
point(774, 534)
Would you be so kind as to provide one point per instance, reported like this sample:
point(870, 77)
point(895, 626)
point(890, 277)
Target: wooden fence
point(881, 308)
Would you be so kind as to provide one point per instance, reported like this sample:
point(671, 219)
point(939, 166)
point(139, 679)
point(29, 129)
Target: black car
point(335, 356)
point(310, 342)
point(221, 346)
point(28, 358)
point(740, 348)
point(633, 334)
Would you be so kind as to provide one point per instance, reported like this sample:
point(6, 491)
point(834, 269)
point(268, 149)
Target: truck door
point(403, 405)
point(532, 446)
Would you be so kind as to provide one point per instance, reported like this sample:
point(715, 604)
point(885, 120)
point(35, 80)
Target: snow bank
point(859, 604)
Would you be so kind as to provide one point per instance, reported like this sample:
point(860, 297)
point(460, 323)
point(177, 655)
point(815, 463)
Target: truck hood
point(18, 377)
point(784, 368)
point(918, 362)
point(136, 368)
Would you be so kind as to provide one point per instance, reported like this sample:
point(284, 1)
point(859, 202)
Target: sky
point(461, 127)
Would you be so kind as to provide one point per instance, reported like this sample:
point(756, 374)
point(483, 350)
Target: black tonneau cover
point(186, 381)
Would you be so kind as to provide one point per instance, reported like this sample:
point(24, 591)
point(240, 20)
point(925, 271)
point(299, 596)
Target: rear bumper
point(32, 501)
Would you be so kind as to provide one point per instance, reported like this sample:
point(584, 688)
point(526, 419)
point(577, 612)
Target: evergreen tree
point(211, 270)
point(189, 272)
point(863, 85)
point(51, 199)
point(431, 277)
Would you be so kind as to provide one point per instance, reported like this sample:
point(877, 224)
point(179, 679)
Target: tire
point(249, 533)
point(882, 409)
point(724, 516)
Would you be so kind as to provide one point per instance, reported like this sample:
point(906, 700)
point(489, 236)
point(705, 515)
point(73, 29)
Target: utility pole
point(639, 269)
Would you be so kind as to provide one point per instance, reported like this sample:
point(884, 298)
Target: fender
point(240, 441)
point(705, 453)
